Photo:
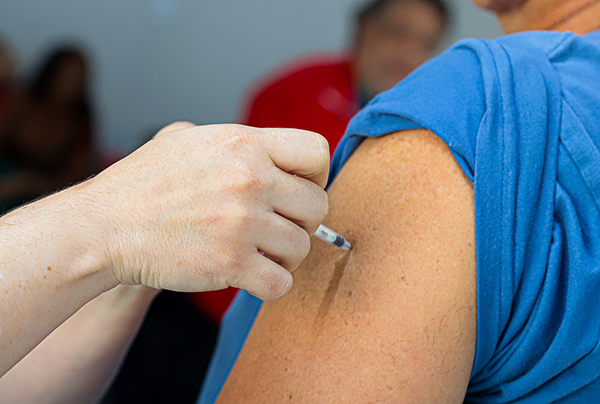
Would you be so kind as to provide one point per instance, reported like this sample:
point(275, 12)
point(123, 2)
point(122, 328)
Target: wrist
point(80, 217)
point(105, 217)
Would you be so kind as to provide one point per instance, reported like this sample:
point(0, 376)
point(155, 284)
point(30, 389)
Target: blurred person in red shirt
point(322, 93)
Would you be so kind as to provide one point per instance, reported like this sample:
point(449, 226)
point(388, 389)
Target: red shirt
point(316, 93)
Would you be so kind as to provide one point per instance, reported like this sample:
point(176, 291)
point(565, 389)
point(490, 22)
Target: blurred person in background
point(323, 93)
point(48, 140)
point(8, 87)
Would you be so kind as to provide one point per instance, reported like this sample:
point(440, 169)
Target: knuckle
point(287, 282)
point(232, 141)
point(236, 261)
point(278, 285)
point(322, 205)
point(300, 240)
point(322, 150)
point(318, 202)
point(239, 218)
point(234, 266)
point(235, 137)
point(235, 282)
point(303, 245)
point(248, 178)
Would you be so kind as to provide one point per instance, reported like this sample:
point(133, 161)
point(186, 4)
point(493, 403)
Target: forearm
point(172, 215)
point(51, 267)
point(83, 354)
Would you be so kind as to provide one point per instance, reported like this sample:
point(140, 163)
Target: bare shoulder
point(395, 319)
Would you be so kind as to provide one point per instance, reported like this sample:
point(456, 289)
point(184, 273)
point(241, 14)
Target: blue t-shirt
point(521, 115)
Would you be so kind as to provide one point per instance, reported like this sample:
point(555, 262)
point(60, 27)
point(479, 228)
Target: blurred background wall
point(155, 61)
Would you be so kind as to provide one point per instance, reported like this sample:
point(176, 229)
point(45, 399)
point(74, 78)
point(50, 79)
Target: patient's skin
point(393, 319)
point(334, 284)
point(398, 323)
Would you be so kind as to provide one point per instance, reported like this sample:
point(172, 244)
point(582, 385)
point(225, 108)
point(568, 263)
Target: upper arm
point(393, 320)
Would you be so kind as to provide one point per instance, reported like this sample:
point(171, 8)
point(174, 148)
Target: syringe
point(329, 236)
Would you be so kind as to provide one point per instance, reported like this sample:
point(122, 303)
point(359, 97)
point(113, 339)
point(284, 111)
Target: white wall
point(156, 61)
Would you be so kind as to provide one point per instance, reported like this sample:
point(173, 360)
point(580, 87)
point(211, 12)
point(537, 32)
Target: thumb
point(299, 152)
point(173, 127)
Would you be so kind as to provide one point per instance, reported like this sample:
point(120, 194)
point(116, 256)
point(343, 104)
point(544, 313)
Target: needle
point(331, 237)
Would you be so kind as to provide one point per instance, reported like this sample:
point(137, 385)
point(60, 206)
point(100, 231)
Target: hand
point(191, 209)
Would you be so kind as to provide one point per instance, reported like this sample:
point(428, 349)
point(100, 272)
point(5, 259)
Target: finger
point(301, 201)
point(299, 152)
point(263, 278)
point(283, 241)
point(173, 127)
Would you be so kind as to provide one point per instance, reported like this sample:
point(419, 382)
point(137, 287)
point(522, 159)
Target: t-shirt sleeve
point(444, 95)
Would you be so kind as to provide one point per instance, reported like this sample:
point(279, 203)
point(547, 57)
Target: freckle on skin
point(49, 268)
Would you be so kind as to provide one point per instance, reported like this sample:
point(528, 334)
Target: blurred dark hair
point(373, 8)
point(42, 82)
point(8, 61)
point(79, 109)
point(56, 60)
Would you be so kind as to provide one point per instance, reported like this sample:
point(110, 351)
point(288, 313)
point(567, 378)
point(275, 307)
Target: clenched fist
point(202, 208)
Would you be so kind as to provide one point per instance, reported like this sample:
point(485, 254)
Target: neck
point(579, 16)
